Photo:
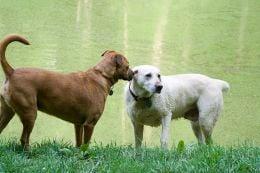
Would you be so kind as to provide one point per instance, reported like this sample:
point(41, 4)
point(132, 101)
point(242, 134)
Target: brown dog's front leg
point(88, 131)
point(78, 134)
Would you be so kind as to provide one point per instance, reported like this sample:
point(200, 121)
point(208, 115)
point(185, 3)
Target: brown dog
point(76, 97)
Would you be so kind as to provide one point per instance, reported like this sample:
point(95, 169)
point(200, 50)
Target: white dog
point(153, 100)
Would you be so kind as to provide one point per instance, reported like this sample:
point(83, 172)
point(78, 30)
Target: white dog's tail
point(223, 85)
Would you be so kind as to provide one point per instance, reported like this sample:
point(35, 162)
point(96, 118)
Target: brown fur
point(78, 98)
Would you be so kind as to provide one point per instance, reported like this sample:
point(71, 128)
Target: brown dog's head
point(115, 66)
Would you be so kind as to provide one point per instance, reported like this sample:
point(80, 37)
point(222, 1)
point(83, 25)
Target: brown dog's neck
point(108, 82)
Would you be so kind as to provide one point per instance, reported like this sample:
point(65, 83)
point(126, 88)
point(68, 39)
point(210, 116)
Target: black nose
point(158, 88)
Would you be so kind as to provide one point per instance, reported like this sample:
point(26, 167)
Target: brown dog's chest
point(67, 111)
point(75, 105)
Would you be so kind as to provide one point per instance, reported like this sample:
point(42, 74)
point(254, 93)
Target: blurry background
point(217, 38)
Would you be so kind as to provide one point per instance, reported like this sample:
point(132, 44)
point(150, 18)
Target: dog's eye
point(159, 76)
point(148, 75)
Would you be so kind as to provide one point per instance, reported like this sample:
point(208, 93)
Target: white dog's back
point(194, 80)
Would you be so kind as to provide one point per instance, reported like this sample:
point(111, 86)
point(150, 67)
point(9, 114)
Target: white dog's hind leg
point(210, 109)
point(207, 127)
point(166, 121)
point(207, 123)
point(138, 131)
point(197, 131)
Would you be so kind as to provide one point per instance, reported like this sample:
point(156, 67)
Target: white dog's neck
point(139, 91)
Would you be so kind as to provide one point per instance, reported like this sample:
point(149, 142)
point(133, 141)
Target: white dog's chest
point(147, 113)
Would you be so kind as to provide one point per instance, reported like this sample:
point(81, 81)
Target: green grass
point(53, 156)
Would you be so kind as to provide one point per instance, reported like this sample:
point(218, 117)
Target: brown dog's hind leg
point(6, 114)
point(78, 134)
point(28, 120)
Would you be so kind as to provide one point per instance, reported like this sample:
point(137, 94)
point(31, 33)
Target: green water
point(217, 38)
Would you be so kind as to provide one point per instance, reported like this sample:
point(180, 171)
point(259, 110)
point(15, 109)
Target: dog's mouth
point(158, 89)
point(129, 75)
point(127, 78)
point(158, 92)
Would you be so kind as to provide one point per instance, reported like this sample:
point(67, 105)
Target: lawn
point(59, 156)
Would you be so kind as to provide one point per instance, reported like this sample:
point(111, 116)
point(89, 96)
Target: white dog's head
point(148, 77)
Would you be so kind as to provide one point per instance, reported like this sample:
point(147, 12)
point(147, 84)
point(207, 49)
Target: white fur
point(180, 93)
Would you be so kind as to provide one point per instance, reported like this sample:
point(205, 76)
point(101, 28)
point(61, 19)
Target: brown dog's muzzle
point(130, 75)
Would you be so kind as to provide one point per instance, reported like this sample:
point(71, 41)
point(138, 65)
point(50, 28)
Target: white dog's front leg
point(138, 129)
point(166, 121)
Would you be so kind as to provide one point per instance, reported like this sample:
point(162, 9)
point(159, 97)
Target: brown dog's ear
point(118, 60)
point(105, 52)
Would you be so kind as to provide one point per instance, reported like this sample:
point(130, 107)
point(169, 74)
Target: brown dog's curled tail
point(8, 70)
